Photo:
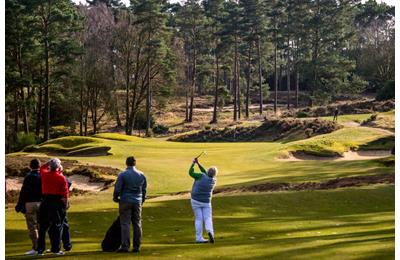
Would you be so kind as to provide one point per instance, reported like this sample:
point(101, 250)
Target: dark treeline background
point(66, 64)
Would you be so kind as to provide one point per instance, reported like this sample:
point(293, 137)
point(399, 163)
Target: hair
point(212, 171)
point(130, 161)
point(35, 164)
point(55, 164)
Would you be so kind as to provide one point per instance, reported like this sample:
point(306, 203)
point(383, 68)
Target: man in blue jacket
point(29, 200)
point(130, 193)
point(203, 186)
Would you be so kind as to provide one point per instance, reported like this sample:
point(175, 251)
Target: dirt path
point(347, 156)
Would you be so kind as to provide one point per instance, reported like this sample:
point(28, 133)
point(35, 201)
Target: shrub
point(160, 129)
point(61, 131)
point(140, 121)
point(387, 92)
point(309, 132)
point(301, 114)
point(24, 140)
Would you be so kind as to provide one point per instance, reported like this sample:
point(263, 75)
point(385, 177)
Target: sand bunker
point(79, 182)
point(347, 156)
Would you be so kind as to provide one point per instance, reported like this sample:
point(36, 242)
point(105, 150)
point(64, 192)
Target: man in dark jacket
point(29, 200)
point(130, 192)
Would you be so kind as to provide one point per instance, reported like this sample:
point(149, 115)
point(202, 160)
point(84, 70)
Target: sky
point(126, 2)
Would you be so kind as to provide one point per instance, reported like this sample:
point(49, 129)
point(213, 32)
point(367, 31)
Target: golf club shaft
point(199, 155)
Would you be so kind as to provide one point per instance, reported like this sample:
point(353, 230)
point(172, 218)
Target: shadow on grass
point(287, 225)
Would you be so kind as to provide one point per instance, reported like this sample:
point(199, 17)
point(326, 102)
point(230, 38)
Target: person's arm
point(64, 190)
point(193, 174)
point(44, 168)
point(144, 189)
point(202, 169)
point(117, 188)
point(20, 207)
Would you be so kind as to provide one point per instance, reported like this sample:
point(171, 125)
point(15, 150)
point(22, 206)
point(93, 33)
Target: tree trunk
point(215, 112)
point(86, 120)
point(235, 83)
point(16, 117)
point(275, 70)
point(248, 81)
point(193, 84)
point(127, 83)
point(239, 106)
point(39, 111)
point(148, 99)
point(187, 86)
point(260, 76)
point(46, 88)
point(288, 78)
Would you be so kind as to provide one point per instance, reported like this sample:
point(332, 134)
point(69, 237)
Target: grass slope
point(340, 141)
point(166, 163)
point(336, 224)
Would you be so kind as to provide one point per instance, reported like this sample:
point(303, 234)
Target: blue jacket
point(203, 185)
point(131, 186)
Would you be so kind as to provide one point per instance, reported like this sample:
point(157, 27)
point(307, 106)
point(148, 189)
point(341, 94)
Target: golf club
point(203, 152)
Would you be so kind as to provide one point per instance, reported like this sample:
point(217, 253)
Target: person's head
point(55, 164)
point(35, 164)
point(130, 161)
point(212, 172)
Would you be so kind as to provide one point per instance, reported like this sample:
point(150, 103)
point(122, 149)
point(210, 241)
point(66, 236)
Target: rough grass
point(340, 141)
point(269, 130)
point(384, 120)
point(336, 224)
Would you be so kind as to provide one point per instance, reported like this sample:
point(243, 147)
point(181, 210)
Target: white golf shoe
point(31, 252)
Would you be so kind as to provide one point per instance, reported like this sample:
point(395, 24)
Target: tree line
point(70, 64)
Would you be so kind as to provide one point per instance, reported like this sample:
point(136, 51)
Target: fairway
point(337, 224)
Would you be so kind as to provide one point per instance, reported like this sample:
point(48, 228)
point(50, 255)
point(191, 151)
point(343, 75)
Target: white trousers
point(203, 214)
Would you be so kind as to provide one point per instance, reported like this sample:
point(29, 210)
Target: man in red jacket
point(53, 206)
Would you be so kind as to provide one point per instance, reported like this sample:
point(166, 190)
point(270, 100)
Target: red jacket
point(53, 182)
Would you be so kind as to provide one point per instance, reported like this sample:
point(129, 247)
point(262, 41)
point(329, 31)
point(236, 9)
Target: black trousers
point(52, 213)
point(130, 212)
point(66, 238)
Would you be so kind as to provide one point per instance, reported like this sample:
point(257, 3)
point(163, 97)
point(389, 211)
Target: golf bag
point(112, 240)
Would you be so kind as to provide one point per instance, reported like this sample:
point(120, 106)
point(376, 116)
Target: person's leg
point(137, 226)
point(44, 224)
point(198, 221)
point(125, 218)
point(208, 223)
point(56, 227)
point(207, 216)
point(32, 222)
point(66, 238)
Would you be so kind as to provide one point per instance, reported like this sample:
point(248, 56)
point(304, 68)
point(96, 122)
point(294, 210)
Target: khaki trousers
point(31, 216)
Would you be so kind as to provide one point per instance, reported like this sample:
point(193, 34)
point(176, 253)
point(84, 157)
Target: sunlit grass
point(338, 224)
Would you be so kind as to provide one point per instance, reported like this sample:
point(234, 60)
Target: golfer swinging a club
point(204, 183)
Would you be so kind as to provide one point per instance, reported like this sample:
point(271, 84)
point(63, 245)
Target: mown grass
point(358, 118)
point(340, 141)
point(166, 163)
point(336, 224)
